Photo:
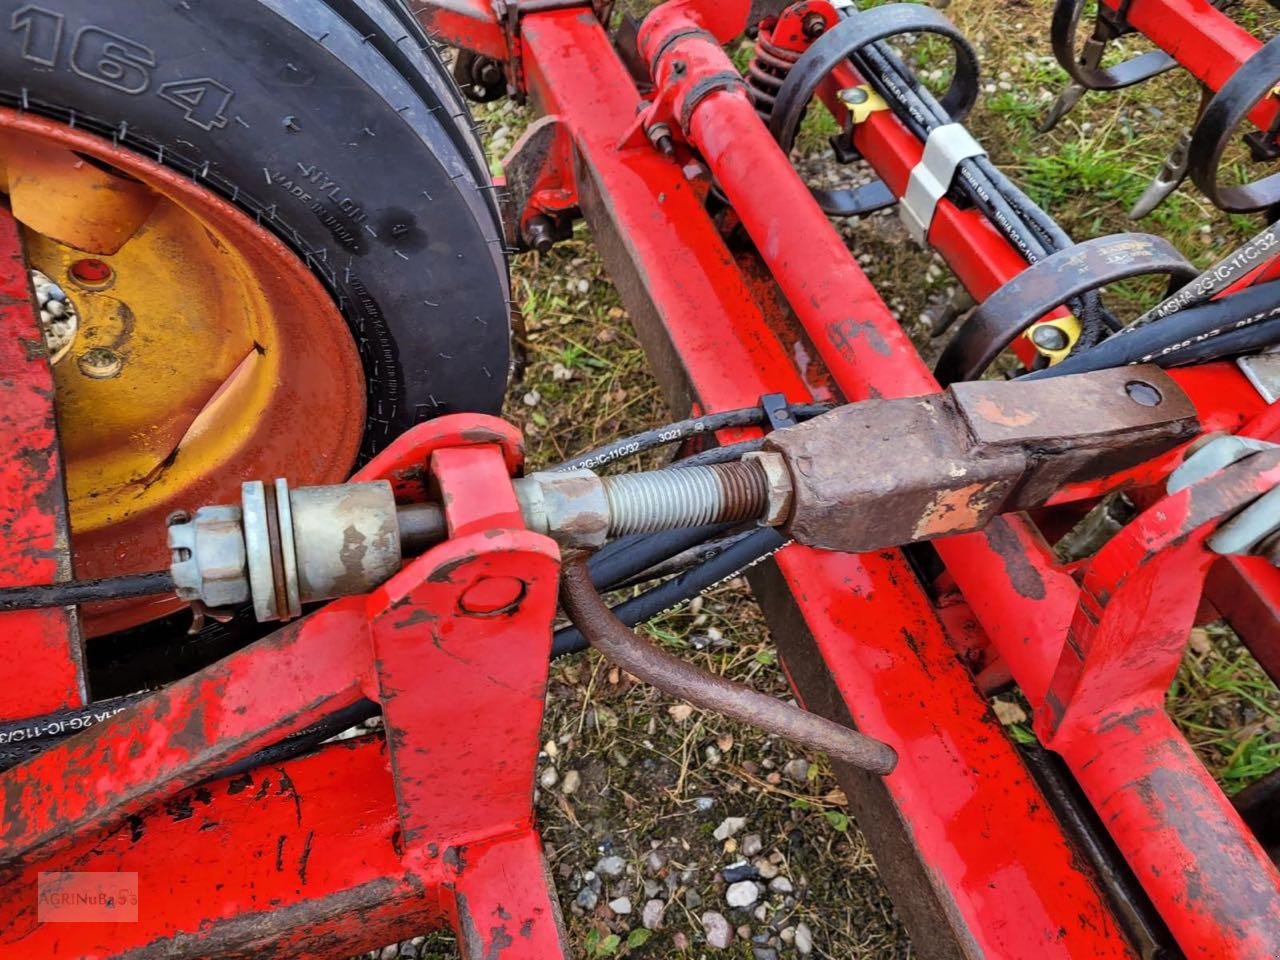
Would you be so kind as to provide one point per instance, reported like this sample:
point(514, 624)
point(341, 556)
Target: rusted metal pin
point(707, 691)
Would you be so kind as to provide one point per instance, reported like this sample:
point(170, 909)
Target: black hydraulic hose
point(732, 451)
point(1245, 320)
point(680, 562)
point(304, 741)
point(628, 556)
point(1026, 225)
point(1248, 256)
point(22, 739)
point(73, 592)
point(724, 566)
point(683, 430)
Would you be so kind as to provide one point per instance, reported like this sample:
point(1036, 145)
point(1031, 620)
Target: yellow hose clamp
point(1054, 339)
point(861, 102)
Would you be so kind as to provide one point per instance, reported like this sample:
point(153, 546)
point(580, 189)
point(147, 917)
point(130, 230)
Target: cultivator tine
point(1166, 181)
point(1066, 102)
point(1091, 58)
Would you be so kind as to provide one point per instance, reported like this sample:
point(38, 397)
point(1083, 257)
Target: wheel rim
point(205, 352)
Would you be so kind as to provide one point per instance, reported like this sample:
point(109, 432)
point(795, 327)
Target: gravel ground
point(675, 833)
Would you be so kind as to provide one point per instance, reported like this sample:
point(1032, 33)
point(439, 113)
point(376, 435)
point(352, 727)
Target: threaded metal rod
point(685, 497)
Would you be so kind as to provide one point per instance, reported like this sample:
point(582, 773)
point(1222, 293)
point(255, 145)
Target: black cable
point(1015, 215)
point(748, 551)
point(680, 562)
point(72, 592)
point(20, 739)
point(628, 556)
point(683, 430)
point(1248, 319)
point(304, 740)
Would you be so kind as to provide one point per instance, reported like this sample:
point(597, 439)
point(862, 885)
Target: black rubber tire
point(336, 125)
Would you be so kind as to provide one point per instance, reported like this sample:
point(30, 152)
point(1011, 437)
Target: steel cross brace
point(334, 853)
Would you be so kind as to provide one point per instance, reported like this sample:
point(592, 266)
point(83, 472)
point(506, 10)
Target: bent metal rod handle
point(705, 690)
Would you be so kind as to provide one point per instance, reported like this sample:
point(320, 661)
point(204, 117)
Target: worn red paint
point(329, 855)
point(34, 544)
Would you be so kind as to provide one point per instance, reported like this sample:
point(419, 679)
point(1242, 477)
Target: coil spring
point(767, 72)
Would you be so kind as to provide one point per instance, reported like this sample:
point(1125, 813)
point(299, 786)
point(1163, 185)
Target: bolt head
point(91, 273)
point(1049, 337)
point(854, 95)
point(99, 363)
point(815, 25)
point(492, 596)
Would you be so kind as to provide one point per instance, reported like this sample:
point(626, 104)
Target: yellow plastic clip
point(861, 102)
point(1054, 339)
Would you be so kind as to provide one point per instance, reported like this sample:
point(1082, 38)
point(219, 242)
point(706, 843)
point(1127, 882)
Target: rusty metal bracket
point(888, 472)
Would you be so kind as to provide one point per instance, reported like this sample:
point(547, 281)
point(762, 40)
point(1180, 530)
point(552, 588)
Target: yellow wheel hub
point(205, 353)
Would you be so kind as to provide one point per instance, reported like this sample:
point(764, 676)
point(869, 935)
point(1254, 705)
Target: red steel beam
point(185, 733)
point(34, 545)
point(302, 860)
point(876, 626)
point(1206, 42)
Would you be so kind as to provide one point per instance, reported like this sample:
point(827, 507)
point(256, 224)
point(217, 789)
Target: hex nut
point(209, 563)
point(569, 506)
point(778, 482)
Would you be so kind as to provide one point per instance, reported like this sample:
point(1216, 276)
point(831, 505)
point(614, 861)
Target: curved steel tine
point(1166, 181)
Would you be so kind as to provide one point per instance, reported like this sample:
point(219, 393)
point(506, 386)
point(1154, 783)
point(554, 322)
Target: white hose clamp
point(945, 149)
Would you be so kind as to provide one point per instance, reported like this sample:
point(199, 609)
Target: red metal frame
point(34, 544)
point(328, 855)
point(1206, 42)
point(376, 839)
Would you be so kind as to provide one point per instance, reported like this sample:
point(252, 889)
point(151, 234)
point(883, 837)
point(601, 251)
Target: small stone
point(804, 939)
point(652, 914)
point(587, 898)
point(780, 885)
point(796, 770)
point(692, 900)
point(549, 778)
point(680, 942)
point(703, 804)
point(621, 906)
point(764, 952)
point(532, 398)
point(744, 932)
point(741, 870)
point(550, 749)
point(611, 866)
point(1199, 641)
point(56, 307)
point(729, 826)
point(680, 712)
point(55, 292)
point(719, 933)
point(654, 861)
point(389, 953)
point(408, 951)
point(1008, 712)
point(765, 868)
point(571, 781)
point(742, 894)
point(787, 934)
point(751, 845)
